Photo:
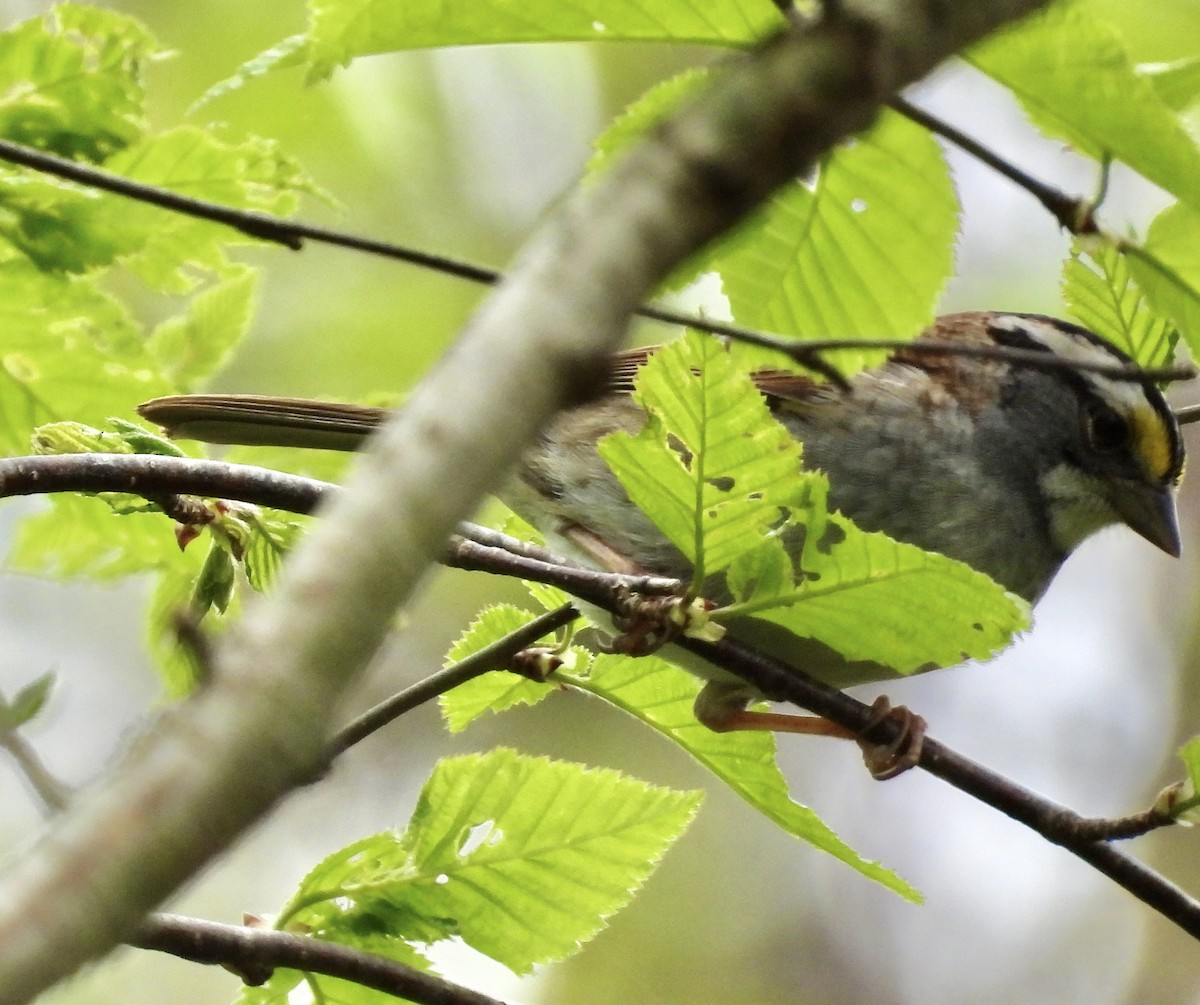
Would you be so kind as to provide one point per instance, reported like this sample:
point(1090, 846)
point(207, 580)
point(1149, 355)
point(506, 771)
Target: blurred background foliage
point(461, 152)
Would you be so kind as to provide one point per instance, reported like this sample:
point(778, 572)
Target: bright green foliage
point(497, 690)
point(1168, 273)
point(60, 333)
point(59, 225)
point(662, 696)
point(1071, 73)
point(340, 30)
point(521, 857)
point(191, 346)
point(71, 81)
point(736, 471)
point(717, 473)
point(873, 598)
point(1182, 800)
point(861, 249)
point(1177, 83)
point(1100, 292)
point(27, 704)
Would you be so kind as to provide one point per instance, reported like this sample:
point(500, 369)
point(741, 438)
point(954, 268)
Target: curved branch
point(255, 952)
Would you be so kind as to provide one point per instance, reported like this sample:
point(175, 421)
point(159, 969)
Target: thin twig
point(491, 657)
point(1075, 215)
point(805, 353)
point(1052, 821)
point(51, 791)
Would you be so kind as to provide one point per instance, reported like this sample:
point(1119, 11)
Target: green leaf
point(71, 81)
point(1101, 294)
point(638, 118)
point(251, 174)
point(69, 351)
point(63, 226)
point(172, 597)
point(1189, 753)
point(870, 597)
point(341, 30)
point(79, 536)
point(711, 467)
point(879, 214)
point(1177, 83)
point(863, 249)
point(1071, 73)
point(497, 690)
point(28, 703)
point(522, 857)
point(1167, 269)
point(214, 585)
point(662, 695)
point(194, 345)
point(272, 536)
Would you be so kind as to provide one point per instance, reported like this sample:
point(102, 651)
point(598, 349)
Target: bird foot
point(887, 760)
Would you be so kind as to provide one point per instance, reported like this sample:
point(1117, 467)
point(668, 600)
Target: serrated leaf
point(28, 703)
point(663, 696)
point(521, 857)
point(1101, 294)
point(59, 225)
point(71, 81)
point(342, 30)
point(862, 249)
point(711, 467)
point(272, 536)
point(495, 691)
point(1073, 76)
point(194, 345)
point(870, 597)
point(1189, 753)
point(1167, 269)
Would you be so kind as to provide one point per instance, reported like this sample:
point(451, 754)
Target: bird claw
point(887, 760)
point(646, 624)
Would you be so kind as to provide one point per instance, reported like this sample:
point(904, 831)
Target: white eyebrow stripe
point(1127, 397)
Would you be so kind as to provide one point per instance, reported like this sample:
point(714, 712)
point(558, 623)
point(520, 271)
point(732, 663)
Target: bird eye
point(1107, 431)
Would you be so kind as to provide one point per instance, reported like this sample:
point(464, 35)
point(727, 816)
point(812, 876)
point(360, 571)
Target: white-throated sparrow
point(1005, 467)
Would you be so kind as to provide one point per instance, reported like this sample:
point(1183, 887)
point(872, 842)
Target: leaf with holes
point(522, 857)
point(711, 467)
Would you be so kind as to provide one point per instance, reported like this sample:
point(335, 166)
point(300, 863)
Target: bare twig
point(256, 952)
point(51, 791)
point(1084, 837)
point(1074, 214)
point(492, 657)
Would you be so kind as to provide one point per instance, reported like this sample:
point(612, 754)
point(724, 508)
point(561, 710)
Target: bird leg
point(883, 760)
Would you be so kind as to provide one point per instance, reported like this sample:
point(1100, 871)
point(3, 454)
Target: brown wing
point(777, 385)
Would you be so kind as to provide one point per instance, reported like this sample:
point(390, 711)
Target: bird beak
point(1149, 510)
